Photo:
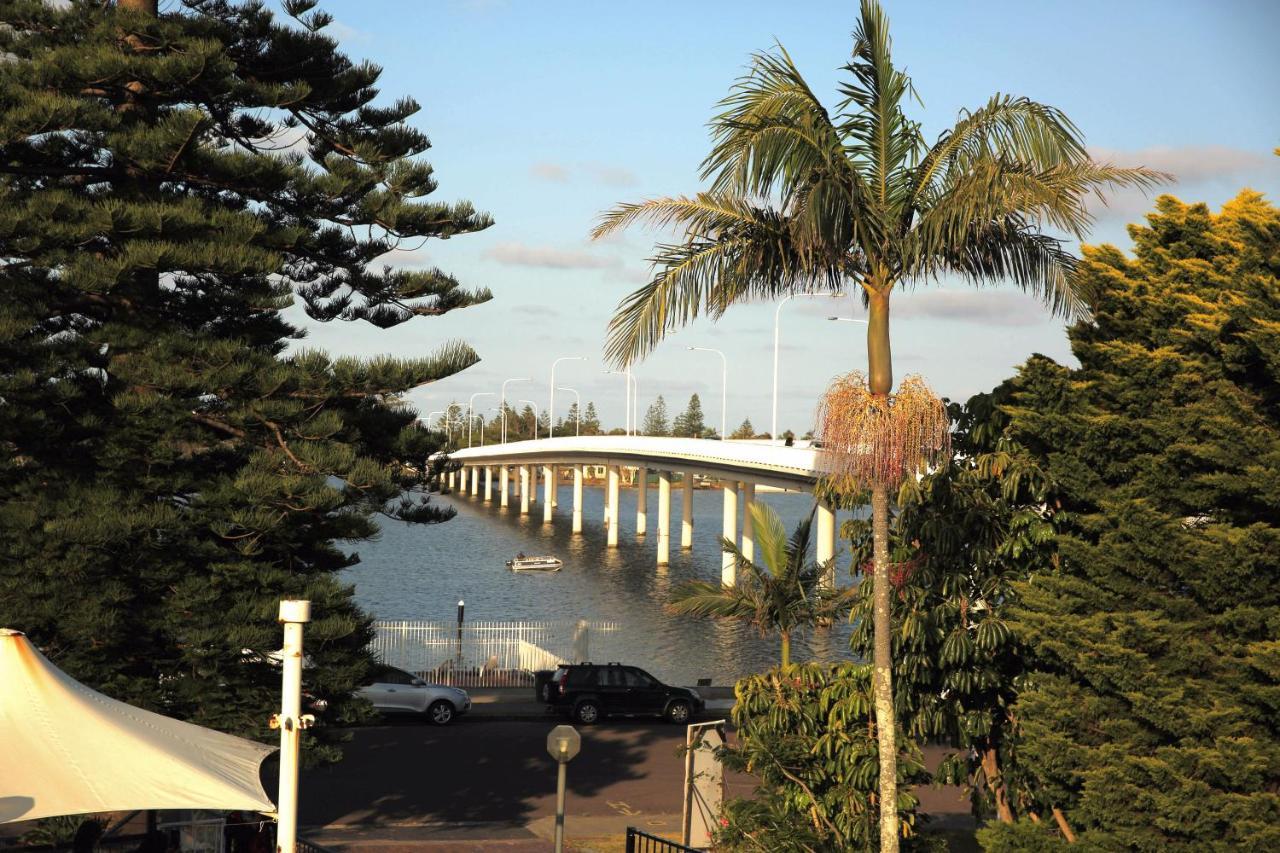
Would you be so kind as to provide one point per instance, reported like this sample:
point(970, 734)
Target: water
point(421, 571)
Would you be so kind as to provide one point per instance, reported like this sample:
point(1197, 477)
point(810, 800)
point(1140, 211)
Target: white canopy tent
point(66, 749)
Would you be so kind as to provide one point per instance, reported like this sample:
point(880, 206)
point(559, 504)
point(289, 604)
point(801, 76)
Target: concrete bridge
point(512, 471)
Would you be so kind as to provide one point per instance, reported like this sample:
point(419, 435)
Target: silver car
point(396, 691)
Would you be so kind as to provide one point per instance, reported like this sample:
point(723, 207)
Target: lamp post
point(471, 409)
point(563, 744)
point(492, 409)
point(629, 412)
point(431, 416)
point(504, 403)
point(535, 416)
point(449, 421)
point(577, 402)
point(777, 316)
point(291, 721)
point(848, 320)
point(551, 402)
point(724, 389)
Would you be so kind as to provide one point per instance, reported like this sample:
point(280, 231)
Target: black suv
point(589, 691)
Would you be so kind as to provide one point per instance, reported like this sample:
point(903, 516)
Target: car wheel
point(679, 712)
point(440, 713)
point(587, 712)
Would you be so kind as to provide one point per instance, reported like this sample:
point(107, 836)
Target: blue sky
point(545, 114)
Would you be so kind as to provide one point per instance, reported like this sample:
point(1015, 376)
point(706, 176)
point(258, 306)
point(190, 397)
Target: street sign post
point(563, 744)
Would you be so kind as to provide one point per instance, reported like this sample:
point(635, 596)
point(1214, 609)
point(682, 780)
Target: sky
point(545, 114)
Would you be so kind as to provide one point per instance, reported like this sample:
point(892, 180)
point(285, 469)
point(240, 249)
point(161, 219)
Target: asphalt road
point(481, 771)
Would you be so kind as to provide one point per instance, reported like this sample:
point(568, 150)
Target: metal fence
point(639, 841)
point(484, 654)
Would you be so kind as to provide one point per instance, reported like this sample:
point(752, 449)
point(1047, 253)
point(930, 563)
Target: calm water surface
point(421, 571)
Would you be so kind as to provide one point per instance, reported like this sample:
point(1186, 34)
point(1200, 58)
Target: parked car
point(396, 691)
point(587, 692)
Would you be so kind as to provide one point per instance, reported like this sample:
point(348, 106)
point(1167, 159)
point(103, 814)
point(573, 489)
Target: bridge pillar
point(548, 496)
point(728, 564)
point(475, 482)
point(555, 487)
point(524, 489)
point(533, 484)
point(577, 498)
point(613, 506)
point(504, 485)
point(664, 518)
point(825, 548)
point(488, 483)
point(748, 526)
point(449, 479)
point(642, 500)
point(686, 513)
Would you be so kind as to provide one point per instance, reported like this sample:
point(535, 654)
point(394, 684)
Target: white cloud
point(613, 176)
point(520, 255)
point(550, 172)
point(989, 307)
point(346, 34)
point(1190, 163)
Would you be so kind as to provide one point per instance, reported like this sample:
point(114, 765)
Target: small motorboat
point(521, 563)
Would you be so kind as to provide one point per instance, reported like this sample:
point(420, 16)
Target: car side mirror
point(418, 682)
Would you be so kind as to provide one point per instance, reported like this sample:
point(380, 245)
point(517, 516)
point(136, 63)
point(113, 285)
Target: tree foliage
point(690, 423)
point(1151, 711)
point(169, 467)
point(655, 419)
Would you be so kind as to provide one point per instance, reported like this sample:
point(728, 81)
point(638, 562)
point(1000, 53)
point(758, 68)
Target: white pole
point(777, 316)
point(724, 389)
point(686, 512)
point(577, 498)
point(612, 538)
point(664, 518)
point(294, 614)
point(504, 403)
point(471, 411)
point(748, 545)
point(728, 565)
point(535, 416)
point(577, 403)
point(551, 403)
point(642, 501)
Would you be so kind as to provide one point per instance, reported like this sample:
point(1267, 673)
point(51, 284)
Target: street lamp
point(504, 403)
point(535, 416)
point(431, 416)
point(848, 320)
point(471, 409)
point(449, 421)
point(551, 403)
point(563, 743)
point(577, 402)
point(724, 389)
point(777, 316)
point(629, 412)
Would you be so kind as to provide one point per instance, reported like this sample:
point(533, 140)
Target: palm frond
point(706, 599)
point(770, 539)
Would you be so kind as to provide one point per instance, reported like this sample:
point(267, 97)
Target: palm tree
point(806, 199)
point(781, 593)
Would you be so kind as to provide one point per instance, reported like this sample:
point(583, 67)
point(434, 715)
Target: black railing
point(642, 842)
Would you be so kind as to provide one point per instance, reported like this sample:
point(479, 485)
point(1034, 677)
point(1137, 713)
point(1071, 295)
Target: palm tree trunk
point(786, 648)
point(880, 383)
point(882, 672)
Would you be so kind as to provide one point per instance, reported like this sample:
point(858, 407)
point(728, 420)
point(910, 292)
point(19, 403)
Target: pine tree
point(655, 419)
point(746, 430)
point(169, 470)
point(570, 424)
point(591, 421)
point(689, 423)
point(1151, 715)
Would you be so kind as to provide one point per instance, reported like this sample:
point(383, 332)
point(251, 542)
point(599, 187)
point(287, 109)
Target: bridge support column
point(488, 483)
point(555, 485)
point(524, 489)
point(504, 485)
point(748, 526)
point(728, 564)
point(664, 518)
point(825, 549)
point(613, 506)
point(533, 484)
point(642, 501)
point(686, 513)
point(475, 482)
point(451, 479)
point(577, 498)
point(548, 486)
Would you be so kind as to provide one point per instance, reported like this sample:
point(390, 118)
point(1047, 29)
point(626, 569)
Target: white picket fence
point(483, 654)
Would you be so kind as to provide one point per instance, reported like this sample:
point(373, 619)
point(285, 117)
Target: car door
point(644, 693)
point(612, 687)
point(398, 691)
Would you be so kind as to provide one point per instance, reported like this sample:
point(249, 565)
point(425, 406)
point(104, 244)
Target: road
point(484, 772)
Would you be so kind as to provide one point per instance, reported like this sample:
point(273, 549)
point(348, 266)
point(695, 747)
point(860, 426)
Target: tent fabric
point(66, 749)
